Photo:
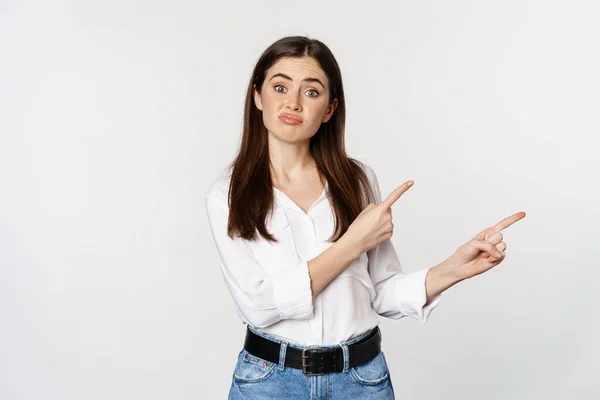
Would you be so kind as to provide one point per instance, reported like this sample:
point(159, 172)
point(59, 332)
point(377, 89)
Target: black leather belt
point(315, 360)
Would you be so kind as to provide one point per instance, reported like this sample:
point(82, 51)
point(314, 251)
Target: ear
point(330, 109)
point(257, 99)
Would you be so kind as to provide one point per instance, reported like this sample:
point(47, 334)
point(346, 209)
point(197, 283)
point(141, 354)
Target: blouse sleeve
point(398, 294)
point(262, 298)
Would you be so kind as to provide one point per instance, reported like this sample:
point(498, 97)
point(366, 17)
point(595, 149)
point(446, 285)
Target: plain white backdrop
point(115, 116)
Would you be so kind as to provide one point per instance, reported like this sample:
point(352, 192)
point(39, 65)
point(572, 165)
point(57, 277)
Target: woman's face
point(294, 99)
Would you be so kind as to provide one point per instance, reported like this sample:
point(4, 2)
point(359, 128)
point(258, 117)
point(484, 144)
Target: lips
point(290, 117)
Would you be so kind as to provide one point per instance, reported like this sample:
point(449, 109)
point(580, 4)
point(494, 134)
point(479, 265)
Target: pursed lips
point(291, 116)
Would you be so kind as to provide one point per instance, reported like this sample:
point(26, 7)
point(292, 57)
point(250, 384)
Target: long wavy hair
point(250, 193)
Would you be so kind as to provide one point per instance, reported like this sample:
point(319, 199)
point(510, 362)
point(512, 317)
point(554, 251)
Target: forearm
point(330, 263)
point(440, 278)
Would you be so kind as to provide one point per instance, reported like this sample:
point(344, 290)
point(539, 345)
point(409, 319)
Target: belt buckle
point(304, 364)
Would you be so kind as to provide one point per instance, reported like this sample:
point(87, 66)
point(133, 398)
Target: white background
point(115, 116)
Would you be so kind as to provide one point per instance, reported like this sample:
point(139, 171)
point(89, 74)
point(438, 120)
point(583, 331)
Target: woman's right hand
point(374, 224)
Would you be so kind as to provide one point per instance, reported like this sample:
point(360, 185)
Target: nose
point(293, 102)
point(294, 106)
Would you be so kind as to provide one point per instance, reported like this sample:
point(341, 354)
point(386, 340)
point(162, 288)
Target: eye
point(279, 86)
point(313, 91)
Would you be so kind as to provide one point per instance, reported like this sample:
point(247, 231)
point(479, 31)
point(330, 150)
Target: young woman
point(303, 240)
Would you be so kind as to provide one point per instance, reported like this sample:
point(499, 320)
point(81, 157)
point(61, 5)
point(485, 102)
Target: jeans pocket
point(252, 369)
point(373, 372)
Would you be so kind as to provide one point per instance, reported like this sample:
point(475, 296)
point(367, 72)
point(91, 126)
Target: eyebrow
point(284, 76)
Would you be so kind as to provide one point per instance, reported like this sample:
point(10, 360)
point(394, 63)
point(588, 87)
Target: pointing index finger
point(508, 221)
point(395, 195)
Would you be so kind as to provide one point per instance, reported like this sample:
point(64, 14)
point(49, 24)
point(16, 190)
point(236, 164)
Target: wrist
point(351, 247)
point(451, 270)
point(439, 278)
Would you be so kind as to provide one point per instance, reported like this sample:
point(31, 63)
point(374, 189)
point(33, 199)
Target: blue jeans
point(255, 378)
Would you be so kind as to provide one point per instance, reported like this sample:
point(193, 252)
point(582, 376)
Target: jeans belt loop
point(346, 357)
point(282, 351)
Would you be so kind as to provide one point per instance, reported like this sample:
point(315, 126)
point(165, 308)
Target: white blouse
point(270, 284)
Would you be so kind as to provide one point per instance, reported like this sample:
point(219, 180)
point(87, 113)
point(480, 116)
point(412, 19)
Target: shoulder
point(367, 169)
point(218, 189)
point(372, 179)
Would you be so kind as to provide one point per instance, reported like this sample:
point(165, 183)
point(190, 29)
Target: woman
point(303, 240)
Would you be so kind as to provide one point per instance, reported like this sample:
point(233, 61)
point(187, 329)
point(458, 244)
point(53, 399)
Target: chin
point(288, 138)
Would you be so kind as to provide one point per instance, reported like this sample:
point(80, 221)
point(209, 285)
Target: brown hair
point(251, 193)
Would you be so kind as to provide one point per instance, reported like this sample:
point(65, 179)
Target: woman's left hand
point(484, 251)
